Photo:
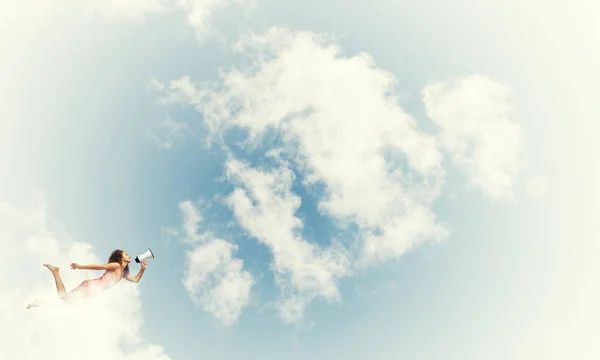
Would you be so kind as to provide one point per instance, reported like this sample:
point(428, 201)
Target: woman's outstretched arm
point(136, 279)
point(109, 266)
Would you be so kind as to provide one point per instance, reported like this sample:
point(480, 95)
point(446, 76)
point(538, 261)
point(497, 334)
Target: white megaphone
point(147, 255)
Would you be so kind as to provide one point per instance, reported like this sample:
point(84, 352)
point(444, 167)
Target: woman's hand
point(144, 264)
point(75, 266)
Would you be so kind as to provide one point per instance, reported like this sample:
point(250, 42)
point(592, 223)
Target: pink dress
point(94, 286)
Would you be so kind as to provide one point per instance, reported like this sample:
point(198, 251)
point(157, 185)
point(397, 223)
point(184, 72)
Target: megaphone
point(147, 255)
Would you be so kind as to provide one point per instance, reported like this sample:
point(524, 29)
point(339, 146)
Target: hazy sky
point(349, 180)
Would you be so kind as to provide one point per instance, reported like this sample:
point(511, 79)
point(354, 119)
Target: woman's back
point(107, 280)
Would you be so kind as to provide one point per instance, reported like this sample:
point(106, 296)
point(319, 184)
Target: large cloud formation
point(107, 327)
point(338, 123)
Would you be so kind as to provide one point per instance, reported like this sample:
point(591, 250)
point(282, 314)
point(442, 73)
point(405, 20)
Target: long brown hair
point(117, 256)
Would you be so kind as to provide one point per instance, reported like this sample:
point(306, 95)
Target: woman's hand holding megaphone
point(144, 264)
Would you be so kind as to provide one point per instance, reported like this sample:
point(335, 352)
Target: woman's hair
point(117, 256)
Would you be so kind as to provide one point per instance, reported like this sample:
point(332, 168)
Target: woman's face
point(126, 258)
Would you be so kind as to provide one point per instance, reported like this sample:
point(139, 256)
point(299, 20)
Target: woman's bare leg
point(60, 287)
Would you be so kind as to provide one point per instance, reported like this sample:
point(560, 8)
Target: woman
point(116, 268)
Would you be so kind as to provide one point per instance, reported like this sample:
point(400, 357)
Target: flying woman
point(116, 269)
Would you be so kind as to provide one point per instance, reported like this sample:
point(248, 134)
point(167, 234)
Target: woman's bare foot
point(54, 269)
point(34, 303)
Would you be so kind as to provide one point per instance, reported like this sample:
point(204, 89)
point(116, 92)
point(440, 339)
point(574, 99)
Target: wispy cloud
point(201, 12)
point(172, 132)
point(537, 186)
point(265, 206)
point(473, 115)
point(213, 278)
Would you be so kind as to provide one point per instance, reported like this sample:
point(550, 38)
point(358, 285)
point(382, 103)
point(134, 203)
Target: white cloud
point(154, 84)
point(266, 208)
point(191, 220)
point(473, 114)
point(343, 128)
point(213, 278)
point(342, 125)
point(201, 12)
point(99, 328)
point(173, 132)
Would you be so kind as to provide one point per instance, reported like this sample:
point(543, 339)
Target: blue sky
point(82, 105)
